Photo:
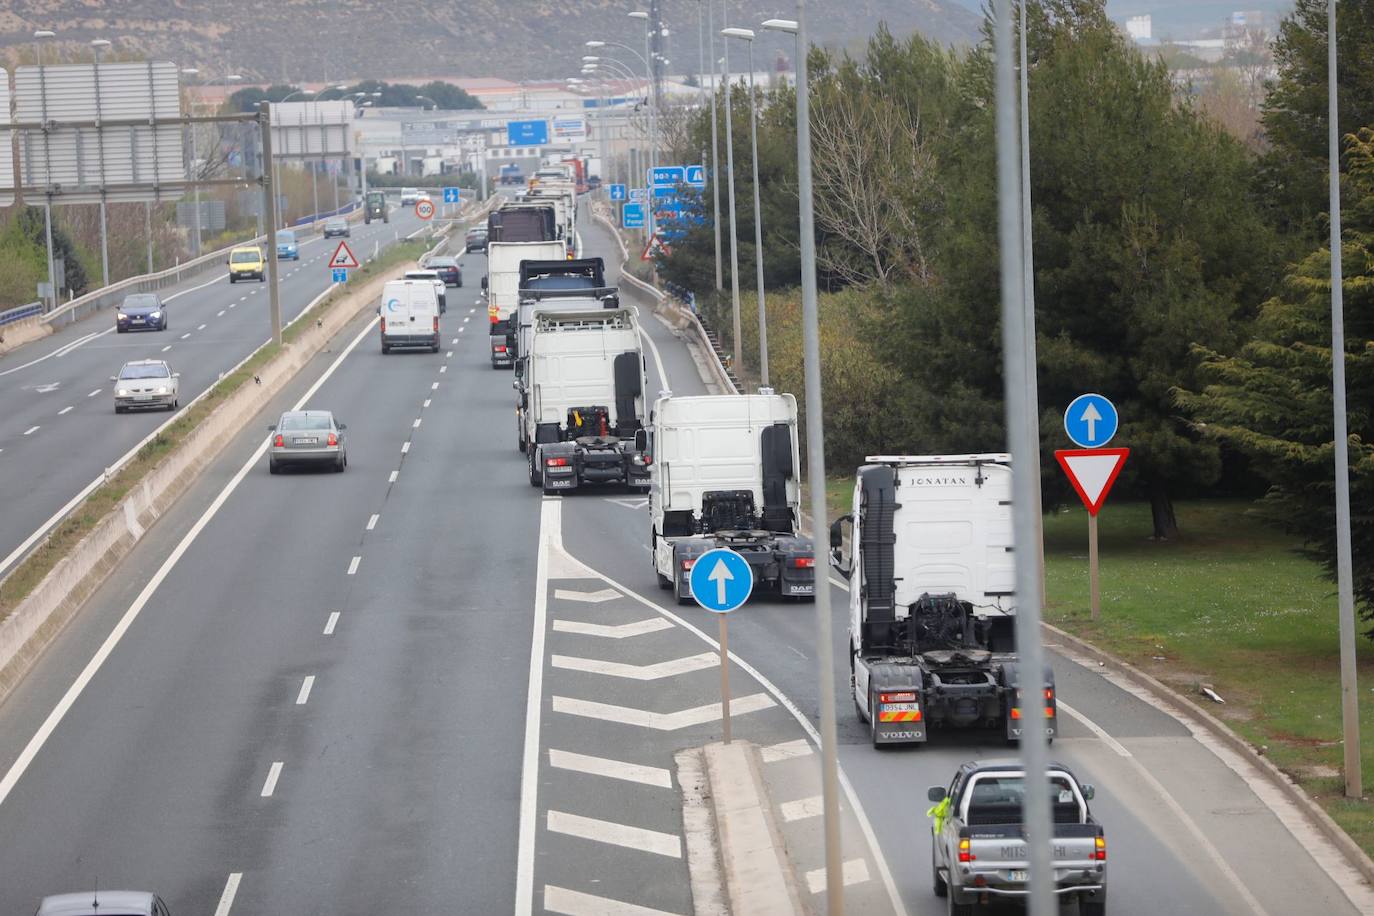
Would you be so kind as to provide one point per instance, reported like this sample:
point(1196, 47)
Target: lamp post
point(194, 175)
point(747, 35)
point(815, 460)
point(39, 37)
point(734, 226)
point(620, 71)
point(715, 143)
point(98, 45)
point(653, 116)
point(649, 77)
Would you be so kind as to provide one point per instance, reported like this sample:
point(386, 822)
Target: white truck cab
point(724, 473)
point(502, 287)
point(409, 313)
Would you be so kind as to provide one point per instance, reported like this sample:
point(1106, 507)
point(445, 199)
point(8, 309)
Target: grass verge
point(21, 582)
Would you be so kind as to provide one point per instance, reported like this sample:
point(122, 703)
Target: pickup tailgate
point(998, 855)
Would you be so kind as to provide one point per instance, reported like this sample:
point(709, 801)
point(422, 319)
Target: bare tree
point(874, 188)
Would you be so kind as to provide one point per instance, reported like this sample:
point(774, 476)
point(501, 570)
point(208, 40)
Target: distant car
point(286, 245)
point(104, 903)
point(141, 312)
point(448, 270)
point(337, 228)
point(246, 263)
point(409, 196)
point(476, 239)
point(440, 287)
point(146, 383)
point(307, 437)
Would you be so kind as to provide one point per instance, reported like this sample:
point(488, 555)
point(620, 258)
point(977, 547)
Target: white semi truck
point(932, 604)
point(502, 288)
point(724, 473)
point(583, 400)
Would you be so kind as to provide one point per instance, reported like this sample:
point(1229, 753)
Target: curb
point(1317, 817)
point(37, 620)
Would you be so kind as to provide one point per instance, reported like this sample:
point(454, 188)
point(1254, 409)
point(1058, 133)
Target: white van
point(439, 287)
point(410, 315)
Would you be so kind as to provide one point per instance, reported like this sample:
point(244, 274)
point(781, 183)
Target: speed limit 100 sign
point(424, 209)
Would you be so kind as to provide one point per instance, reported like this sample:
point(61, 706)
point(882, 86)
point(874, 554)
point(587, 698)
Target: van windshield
point(286, 236)
point(245, 257)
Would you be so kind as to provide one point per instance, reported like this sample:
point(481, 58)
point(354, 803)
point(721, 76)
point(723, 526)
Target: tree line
point(1179, 269)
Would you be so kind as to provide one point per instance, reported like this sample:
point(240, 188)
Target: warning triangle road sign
point(343, 257)
point(1092, 471)
point(655, 246)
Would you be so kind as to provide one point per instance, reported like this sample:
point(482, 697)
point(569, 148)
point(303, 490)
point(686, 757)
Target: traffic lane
point(188, 697)
point(418, 732)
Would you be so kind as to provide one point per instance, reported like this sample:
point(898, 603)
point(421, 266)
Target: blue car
point(141, 312)
point(286, 246)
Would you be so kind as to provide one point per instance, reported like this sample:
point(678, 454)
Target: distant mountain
point(295, 40)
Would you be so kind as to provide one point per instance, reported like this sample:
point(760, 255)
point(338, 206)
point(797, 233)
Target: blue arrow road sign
point(617, 192)
point(638, 193)
point(668, 175)
point(632, 216)
point(696, 176)
point(721, 580)
point(451, 196)
point(340, 275)
point(1090, 421)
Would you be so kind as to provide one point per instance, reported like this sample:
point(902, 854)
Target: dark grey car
point(104, 903)
point(307, 438)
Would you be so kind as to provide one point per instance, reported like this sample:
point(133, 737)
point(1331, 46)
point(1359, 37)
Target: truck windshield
point(559, 283)
point(997, 800)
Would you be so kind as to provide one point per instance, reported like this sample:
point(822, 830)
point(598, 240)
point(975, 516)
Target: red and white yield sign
point(1092, 471)
point(343, 257)
point(424, 209)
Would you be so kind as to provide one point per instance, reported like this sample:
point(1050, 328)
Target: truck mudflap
point(896, 705)
point(569, 465)
point(1020, 712)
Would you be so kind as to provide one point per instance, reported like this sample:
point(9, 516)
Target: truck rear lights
point(1049, 712)
point(1015, 713)
point(803, 562)
point(687, 564)
point(905, 696)
point(499, 348)
point(555, 462)
point(1100, 850)
point(964, 854)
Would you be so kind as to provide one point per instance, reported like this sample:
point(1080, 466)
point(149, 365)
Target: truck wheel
point(677, 593)
point(535, 479)
point(938, 884)
point(663, 581)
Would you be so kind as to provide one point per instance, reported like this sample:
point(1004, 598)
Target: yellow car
point(246, 263)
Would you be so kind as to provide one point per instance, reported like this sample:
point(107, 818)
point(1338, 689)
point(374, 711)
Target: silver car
point(146, 383)
point(307, 437)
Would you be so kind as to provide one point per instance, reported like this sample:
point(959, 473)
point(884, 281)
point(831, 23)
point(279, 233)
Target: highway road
point(420, 686)
point(58, 429)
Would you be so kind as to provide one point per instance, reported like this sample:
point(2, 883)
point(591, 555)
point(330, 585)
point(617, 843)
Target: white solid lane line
point(372, 522)
point(59, 712)
point(612, 769)
point(331, 623)
point(65, 410)
point(306, 686)
point(60, 351)
point(591, 828)
point(94, 393)
point(231, 889)
point(273, 775)
point(31, 430)
point(353, 565)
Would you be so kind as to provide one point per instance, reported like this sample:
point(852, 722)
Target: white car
point(409, 196)
point(146, 383)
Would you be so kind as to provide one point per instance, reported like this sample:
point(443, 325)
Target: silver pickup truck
point(978, 848)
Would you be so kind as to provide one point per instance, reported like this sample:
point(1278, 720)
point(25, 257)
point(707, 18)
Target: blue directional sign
point(696, 176)
point(668, 175)
point(721, 580)
point(618, 192)
point(638, 193)
point(340, 275)
point(527, 133)
point(632, 216)
point(665, 192)
point(1091, 421)
point(451, 196)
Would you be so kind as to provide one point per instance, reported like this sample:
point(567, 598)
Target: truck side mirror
point(484, 284)
point(837, 558)
point(836, 535)
point(1088, 791)
point(641, 440)
point(935, 794)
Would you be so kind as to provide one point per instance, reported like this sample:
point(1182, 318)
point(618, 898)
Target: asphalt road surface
point(313, 693)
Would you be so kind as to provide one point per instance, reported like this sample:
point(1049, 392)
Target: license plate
point(1018, 875)
point(136, 321)
point(143, 397)
point(307, 441)
point(901, 707)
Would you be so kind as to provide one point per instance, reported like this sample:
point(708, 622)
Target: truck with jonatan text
point(583, 400)
point(932, 605)
point(724, 473)
point(501, 286)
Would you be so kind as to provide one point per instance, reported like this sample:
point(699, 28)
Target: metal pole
point(738, 364)
point(100, 142)
point(1345, 592)
point(52, 266)
point(815, 461)
point(758, 225)
point(148, 231)
point(715, 143)
point(1094, 591)
point(195, 176)
point(1025, 477)
point(724, 679)
point(1028, 289)
point(270, 192)
point(653, 126)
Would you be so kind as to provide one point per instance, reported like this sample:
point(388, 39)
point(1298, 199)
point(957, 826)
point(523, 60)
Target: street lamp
point(98, 45)
point(715, 143)
point(39, 37)
point(734, 226)
point(815, 457)
point(747, 35)
point(653, 116)
point(653, 111)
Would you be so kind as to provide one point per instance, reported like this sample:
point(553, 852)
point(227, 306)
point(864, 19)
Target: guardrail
point(19, 313)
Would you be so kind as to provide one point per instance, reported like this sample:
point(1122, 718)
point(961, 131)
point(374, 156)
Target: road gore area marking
point(611, 769)
point(786, 750)
point(273, 774)
point(231, 889)
point(660, 721)
point(591, 828)
point(331, 623)
point(306, 686)
point(651, 672)
point(353, 565)
point(575, 903)
point(618, 631)
point(854, 871)
point(801, 808)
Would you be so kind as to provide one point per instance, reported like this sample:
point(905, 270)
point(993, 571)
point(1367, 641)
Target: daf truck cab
point(932, 604)
point(502, 288)
point(724, 473)
point(583, 401)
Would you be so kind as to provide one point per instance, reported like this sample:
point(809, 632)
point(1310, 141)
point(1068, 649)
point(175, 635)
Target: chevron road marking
point(855, 871)
point(590, 828)
point(801, 808)
point(606, 594)
point(613, 769)
point(671, 721)
point(620, 631)
point(638, 672)
point(573, 903)
point(786, 750)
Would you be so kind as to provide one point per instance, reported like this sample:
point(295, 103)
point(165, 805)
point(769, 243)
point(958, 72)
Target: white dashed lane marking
point(166, 348)
point(331, 623)
point(94, 393)
point(394, 475)
point(353, 565)
point(372, 522)
point(273, 775)
point(231, 889)
point(31, 430)
point(186, 335)
point(201, 328)
point(64, 410)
